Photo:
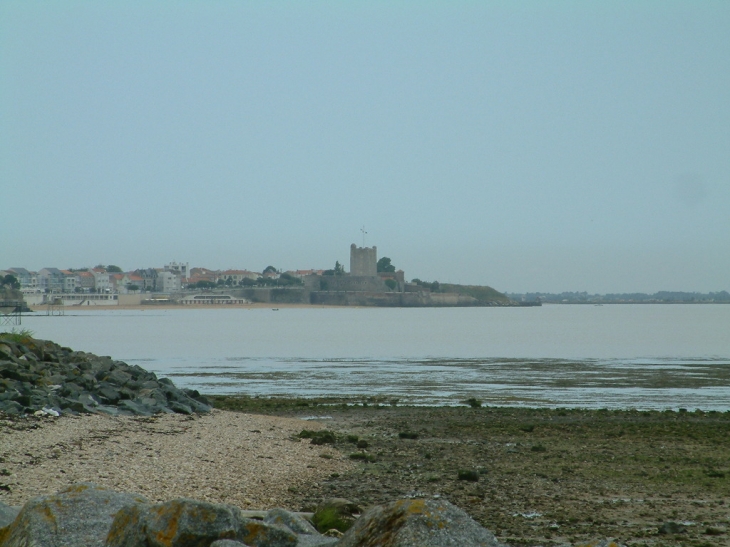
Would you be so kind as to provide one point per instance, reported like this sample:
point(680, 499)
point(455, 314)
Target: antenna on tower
point(363, 234)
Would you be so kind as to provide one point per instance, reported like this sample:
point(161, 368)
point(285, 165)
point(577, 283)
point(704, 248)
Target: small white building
point(179, 268)
point(102, 284)
point(70, 281)
point(168, 282)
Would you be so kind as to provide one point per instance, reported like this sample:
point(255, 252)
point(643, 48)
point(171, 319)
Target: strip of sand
point(246, 460)
point(153, 307)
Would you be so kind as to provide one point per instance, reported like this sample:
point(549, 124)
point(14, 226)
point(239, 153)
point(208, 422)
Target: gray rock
point(35, 374)
point(227, 543)
point(315, 540)
point(178, 523)
point(7, 514)
point(79, 516)
point(135, 407)
point(295, 523)
point(259, 534)
point(417, 523)
point(190, 523)
point(181, 408)
point(672, 528)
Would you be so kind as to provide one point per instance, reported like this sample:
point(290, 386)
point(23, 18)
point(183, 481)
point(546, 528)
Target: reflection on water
point(622, 356)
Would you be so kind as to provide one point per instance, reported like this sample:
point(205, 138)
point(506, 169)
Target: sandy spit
point(246, 460)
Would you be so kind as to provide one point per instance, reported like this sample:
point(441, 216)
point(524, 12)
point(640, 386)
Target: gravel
point(250, 461)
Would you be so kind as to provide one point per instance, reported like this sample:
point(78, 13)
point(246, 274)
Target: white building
point(183, 270)
point(101, 280)
point(168, 282)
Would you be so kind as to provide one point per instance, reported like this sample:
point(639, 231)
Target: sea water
point(613, 356)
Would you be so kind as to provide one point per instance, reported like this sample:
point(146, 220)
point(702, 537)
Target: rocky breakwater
point(86, 515)
point(38, 376)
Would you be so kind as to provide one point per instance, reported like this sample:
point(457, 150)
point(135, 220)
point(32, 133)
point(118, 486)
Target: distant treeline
point(662, 297)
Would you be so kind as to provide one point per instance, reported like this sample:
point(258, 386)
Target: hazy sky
point(530, 146)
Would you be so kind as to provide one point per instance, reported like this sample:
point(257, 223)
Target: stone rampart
point(274, 295)
point(390, 299)
point(352, 283)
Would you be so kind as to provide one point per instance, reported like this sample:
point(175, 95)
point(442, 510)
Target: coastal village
point(369, 282)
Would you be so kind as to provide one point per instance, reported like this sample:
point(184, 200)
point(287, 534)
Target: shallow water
point(619, 356)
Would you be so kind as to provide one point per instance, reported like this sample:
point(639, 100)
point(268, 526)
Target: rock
point(316, 540)
point(417, 523)
point(79, 516)
point(259, 534)
point(7, 514)
point(307, 534)
point(295, 523)
point(37, 374)
point(335, 513)
point(90, 516)
point(190, 523)
point(468, 475)
point(178, 522)
point(318, 437)
point(670, 527)
point(601, 543)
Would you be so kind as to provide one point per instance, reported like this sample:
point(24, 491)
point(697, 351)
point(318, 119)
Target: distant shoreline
point(275, 306)
point(151, 307)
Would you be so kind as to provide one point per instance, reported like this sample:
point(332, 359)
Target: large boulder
point(296, 523)
point(307, 534)
point(79, 516)
point(417, 523)
point(7, 514)
point(191, 523)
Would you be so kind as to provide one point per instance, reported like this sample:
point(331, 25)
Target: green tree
point(288, 279)
point(10, 281)
point(391, 283)
point(269, 269)
point(111, 268)
point(203, 284)
point(338, 270)
point(384, 265)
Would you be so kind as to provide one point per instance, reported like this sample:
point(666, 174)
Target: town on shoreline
point(369, 282)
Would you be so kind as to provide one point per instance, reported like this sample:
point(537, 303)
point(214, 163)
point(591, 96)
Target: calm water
point(616, 356)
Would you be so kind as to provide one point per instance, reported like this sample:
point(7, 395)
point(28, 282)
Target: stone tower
point(363, 261)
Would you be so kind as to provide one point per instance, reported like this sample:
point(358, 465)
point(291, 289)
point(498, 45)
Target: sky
point(530, 146)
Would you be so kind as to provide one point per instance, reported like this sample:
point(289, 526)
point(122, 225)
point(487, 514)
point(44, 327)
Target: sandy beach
point(250, 461)
point(153, 307)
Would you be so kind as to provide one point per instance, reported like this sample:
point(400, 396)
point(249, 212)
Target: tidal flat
point(534, 476)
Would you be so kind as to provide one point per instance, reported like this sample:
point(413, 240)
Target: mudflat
point(533, 476)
